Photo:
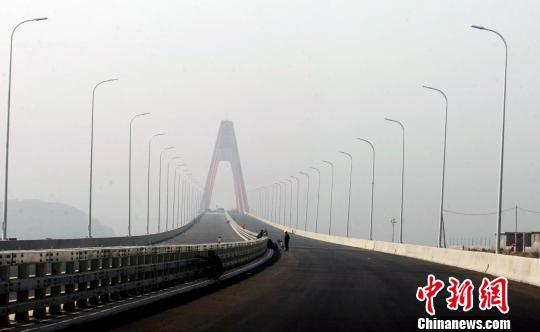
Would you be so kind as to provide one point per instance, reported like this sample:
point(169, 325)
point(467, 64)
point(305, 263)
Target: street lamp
point(258, 197)
point(290, 202)
point(174, 195)
point(278, 202)
point(331, 193)
point(268, 199)
point(284, 201)
point(307, 199)
point(92, 155)
point(393, 222)
point(297, 197)
point(129, 167)
point(180, 206)
point(350, 187)
point(372, 186)
point(402, 176)
point(167, 196)
point(318, 196)
point(272, 202)
point(187, 186)
point(441, 239)
point(499, 202)
point(159, 185)
point(4, 225)
point(148, 188)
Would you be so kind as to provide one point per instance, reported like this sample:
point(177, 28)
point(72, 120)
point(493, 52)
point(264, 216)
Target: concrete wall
point(138, 240)
point(520, 269)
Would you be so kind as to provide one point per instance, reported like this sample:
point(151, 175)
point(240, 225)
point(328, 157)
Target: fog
point(300, 80)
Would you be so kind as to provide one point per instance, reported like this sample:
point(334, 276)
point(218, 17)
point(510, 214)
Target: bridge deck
point(209, 227)
point(318, 286)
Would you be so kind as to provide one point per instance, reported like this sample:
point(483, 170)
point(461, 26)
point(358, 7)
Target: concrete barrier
point(136, 240)
point(521, 269)
point(245, 234)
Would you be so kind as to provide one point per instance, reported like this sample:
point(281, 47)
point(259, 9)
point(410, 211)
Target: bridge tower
point(226, 149)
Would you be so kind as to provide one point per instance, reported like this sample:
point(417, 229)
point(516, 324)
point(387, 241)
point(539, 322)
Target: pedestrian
point(212, 265)
point(286, 239)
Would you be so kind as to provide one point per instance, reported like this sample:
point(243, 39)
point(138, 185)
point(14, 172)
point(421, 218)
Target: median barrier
point(56, 281)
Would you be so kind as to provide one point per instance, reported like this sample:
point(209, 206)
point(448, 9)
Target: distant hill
point(35, 219)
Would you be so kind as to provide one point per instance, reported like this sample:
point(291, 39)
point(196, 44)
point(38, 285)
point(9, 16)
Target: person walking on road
point(286, 239)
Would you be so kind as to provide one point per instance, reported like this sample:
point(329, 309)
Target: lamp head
point(478, 27)
point(41, 19)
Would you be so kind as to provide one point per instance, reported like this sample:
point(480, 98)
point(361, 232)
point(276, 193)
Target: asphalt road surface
point(207, 230)
point(318, 286)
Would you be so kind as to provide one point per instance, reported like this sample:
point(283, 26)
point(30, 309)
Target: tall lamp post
point(284, 202)
point(350, 188)
point(272, 202)
point(92, 155)
point(159, 185)
point(175, 190)
point(393, 222)
point(181, 194)
point(402, 176)
point(290, 202)
point(501, 162)
point(167, 196)
point(318, 198)
point(307, 199)
point(278, 202)
point(129, 168)
point(148, 187)
point(6, 172)
point(185, 197)
point(331, 193)
point(297, 197)
point(372, 186)
point(441, 239)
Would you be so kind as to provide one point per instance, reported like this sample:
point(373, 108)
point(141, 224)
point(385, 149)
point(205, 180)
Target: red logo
point(494, 294)
point(429, 292)
point(490, 294)
point(460, 294)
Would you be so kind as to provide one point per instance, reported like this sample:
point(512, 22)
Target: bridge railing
point(37, 282)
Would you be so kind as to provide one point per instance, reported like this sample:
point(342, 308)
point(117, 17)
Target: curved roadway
point(207, 229)
point(318, 286)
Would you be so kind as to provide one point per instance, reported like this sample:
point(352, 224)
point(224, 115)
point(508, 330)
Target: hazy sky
point(300, 80)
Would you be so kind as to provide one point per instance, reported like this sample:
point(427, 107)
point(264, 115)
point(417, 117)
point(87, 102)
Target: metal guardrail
point(241, 231)
point(40, 282)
